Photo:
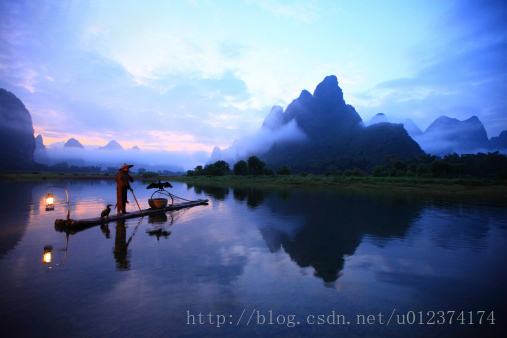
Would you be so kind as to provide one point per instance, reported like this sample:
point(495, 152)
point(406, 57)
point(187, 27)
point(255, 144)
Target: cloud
point(273, 131)
point(150, 72)
point(264, 139)
point(467, 70)
point(306, 11)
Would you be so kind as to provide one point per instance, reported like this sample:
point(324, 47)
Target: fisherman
point(123, 180)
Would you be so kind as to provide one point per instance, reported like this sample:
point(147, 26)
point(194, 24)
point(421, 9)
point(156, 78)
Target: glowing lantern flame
point(47, 253)
point(47, 257)
point(49, 200)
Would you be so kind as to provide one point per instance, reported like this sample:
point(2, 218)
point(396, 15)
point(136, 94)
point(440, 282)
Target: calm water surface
point(253, 262)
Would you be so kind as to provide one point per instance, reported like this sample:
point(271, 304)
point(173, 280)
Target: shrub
point(240, 168)
point(380, 171)
point(268, 172)
point(358, 172)
point(338, 173)
point(423, 170)
point(284, 170)
point(255, 165)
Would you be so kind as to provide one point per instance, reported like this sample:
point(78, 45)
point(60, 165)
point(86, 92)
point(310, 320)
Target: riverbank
point(458, 185)
point(18, 176)
point(455, 185)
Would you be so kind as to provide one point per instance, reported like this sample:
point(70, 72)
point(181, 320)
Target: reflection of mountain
point(15, 202)
point(218, 193)
point(253, 197)
point(321, 229)
point(461, 225)
point(324, 249)
point(334, 226)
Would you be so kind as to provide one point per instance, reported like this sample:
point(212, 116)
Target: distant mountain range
point(317, 132)
point(112, 145)
point(40, 154)
point(320, 132)
point(499, 142)
point(73, 143)
point(20, 150)
point(448, 135)
point(111, 155)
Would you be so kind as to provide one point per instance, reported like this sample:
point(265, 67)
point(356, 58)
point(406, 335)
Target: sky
point(187, 75)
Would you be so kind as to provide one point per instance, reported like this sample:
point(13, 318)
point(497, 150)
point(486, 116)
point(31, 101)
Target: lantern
point(50, 202)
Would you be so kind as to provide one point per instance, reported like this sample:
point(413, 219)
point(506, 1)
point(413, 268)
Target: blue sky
point(184, 76)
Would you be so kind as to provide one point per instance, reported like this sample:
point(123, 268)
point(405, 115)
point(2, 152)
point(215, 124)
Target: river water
point(294, 262)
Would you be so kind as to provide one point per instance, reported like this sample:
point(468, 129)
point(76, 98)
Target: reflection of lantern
point(50, 202)
point(47, 254)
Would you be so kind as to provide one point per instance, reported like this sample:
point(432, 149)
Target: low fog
point(273, 131)
point(151, 160)
point(441, 144)
point(448, 135)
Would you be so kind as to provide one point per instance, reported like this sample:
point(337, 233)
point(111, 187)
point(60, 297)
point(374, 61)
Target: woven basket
point(157, 203)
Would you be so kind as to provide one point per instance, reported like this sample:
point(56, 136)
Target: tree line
point(490, 165)
point(252, 167)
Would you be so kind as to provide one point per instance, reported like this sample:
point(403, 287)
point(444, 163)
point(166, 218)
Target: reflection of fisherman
point(120, 250)
point(123, 180)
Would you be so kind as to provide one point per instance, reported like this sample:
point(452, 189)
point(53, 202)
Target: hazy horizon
point(186, 76)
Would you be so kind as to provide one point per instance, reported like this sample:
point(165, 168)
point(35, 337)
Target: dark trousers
point(121, 199)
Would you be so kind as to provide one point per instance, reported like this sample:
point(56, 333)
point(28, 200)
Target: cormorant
point(105, 212)
point(160, 185)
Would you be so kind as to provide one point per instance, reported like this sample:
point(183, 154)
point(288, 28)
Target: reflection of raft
point(64, 225)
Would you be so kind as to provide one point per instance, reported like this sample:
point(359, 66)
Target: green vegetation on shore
point(482, 186)
point(13, 176)
point(355, 182)
point(480, 173)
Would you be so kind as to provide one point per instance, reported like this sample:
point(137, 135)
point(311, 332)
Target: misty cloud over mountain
point(449, 135)
point(272, 131)
point(320, 131)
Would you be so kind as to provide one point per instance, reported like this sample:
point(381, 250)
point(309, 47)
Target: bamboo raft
point(74, 224)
